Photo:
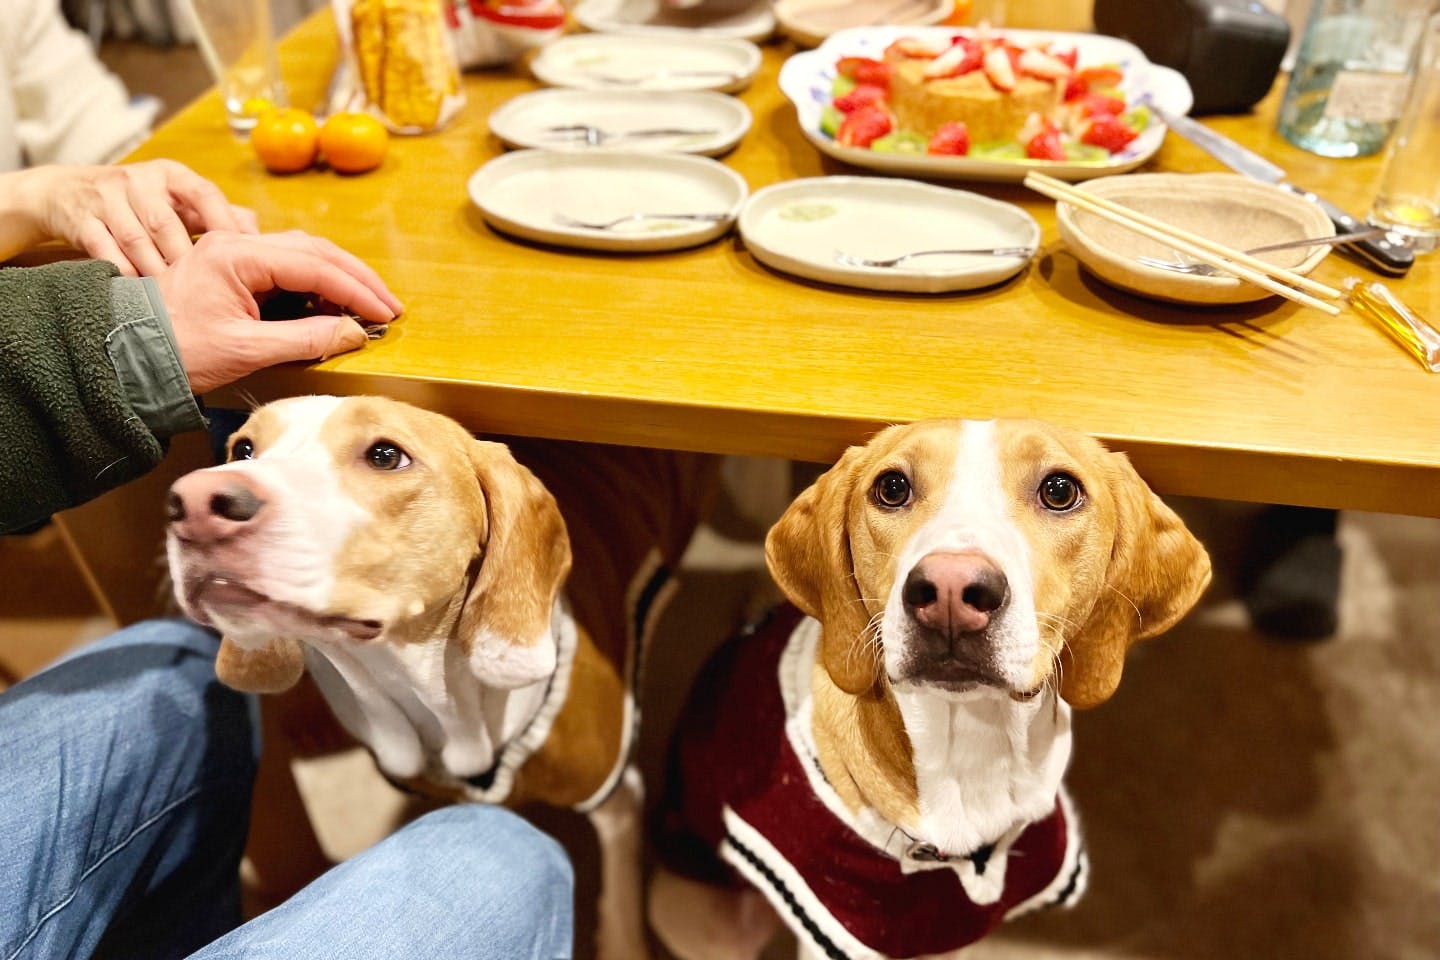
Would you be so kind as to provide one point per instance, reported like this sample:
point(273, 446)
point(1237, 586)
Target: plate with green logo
point(882, 234)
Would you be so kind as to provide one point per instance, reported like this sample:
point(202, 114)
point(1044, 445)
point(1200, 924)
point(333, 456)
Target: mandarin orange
point(353, 142)
point(286, 140)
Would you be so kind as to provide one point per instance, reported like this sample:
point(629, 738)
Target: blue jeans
point(125, 777)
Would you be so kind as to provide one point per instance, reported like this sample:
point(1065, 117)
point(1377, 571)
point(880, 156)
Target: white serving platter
point(718, 18)
point(526, 193)
point(624, 61)
point(627, 120)
point(809, 22)
point(806, 79)
point(799, 226)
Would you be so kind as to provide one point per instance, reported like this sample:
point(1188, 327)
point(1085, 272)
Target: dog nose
point(955, 592)
point(212, 506)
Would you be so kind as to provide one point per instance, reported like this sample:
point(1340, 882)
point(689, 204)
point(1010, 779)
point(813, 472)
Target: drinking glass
point(238, 43)
point(1409, 199)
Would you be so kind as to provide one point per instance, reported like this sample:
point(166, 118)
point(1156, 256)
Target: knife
point(1379, 253)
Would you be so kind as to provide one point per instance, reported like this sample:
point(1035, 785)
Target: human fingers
point(94, 238)
point(152, 206)
point(130, 234)
point(263, 265)
point(245, 217)
point(304, 338)
point(342, 258)
point(212, 210)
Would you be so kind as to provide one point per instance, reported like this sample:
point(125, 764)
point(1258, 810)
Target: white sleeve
point(67, 108)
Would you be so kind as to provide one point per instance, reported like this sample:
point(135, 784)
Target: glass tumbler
point(1408, 202)
point(238, 44)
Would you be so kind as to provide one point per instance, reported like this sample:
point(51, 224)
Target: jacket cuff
point(142, 349)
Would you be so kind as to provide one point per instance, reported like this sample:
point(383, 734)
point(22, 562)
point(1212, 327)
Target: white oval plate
point(521, 193)
point(809, 22)
point(623, 61)
point(806, 79)
point(752, 21)
point(798, 226)
point(529, 120)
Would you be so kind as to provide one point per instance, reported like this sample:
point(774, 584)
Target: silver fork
point(594, 136)
point(567, 221)
point(850, 260)
point(659, 75)
point(1197, 269)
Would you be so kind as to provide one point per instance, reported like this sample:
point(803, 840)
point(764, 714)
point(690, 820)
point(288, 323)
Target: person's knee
point(509, 842)
point(156, 678)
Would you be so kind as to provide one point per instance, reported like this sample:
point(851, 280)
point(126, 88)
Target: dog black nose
point(955, 592)
point(235, 503)
point(210, 505)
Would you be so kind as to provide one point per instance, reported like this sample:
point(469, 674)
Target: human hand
point(139, 216)
point(210, 294)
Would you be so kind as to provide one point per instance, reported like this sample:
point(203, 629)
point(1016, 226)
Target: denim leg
point(125, 776)
point(468, 881)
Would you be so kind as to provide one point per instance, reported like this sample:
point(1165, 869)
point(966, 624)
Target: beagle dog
point(416, 573)
point(879, 766)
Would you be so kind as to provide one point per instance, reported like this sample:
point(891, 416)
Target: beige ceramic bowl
point(1233, 210)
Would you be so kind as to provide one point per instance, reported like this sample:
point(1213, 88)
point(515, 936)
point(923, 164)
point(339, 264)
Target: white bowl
point(1224, 207)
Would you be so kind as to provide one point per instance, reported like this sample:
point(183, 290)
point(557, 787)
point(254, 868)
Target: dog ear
point(1157, 572)
point(525, 556)
point(272, 669)
point(808, 553)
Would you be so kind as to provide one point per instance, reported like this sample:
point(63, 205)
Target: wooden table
point(708, 350)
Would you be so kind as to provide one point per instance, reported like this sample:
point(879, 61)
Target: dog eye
point(384, 455)
point(892, 489)
point(1061, 492)
point(242, 449)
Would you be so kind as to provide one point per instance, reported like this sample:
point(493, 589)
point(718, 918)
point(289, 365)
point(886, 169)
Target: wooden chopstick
point(1237, 262)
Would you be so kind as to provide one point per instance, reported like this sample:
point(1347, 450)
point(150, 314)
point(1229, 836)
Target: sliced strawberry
point(951, 140)
point(1075, 88)
point(1037, 63)
point(963, 57)
point(998, 69)
point(1097, 104)
point(1041, 138)
point(1069, 57)
point(864, 126)
point(1108, 131)
point(865, 70)
point(913, 48)
point(864, 95)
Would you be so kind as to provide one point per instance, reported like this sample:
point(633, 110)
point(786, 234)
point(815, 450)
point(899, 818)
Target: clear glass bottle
point(1351, 74)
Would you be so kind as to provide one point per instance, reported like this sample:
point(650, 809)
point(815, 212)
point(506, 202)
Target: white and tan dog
point(416, 573)
point(881, 768)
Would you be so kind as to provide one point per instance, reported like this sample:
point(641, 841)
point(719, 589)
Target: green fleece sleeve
point(87, 392)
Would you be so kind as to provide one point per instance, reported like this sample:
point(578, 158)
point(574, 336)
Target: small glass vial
point(1350, 75)
point(1408, 203)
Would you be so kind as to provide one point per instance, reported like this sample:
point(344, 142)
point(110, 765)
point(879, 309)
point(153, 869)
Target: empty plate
point(652, 201)
point(809, 22)
point(684, 121)
point(1234, 210)
point(805, 227)
point(744, 19)
point(669, 61)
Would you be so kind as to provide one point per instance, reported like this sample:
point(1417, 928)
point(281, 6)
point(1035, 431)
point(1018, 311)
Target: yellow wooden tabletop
point(706, 349)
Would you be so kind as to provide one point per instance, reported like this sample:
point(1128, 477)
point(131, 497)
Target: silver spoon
point(1206, 270)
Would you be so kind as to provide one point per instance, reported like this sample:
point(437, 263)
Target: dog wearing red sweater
point(879, 766)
